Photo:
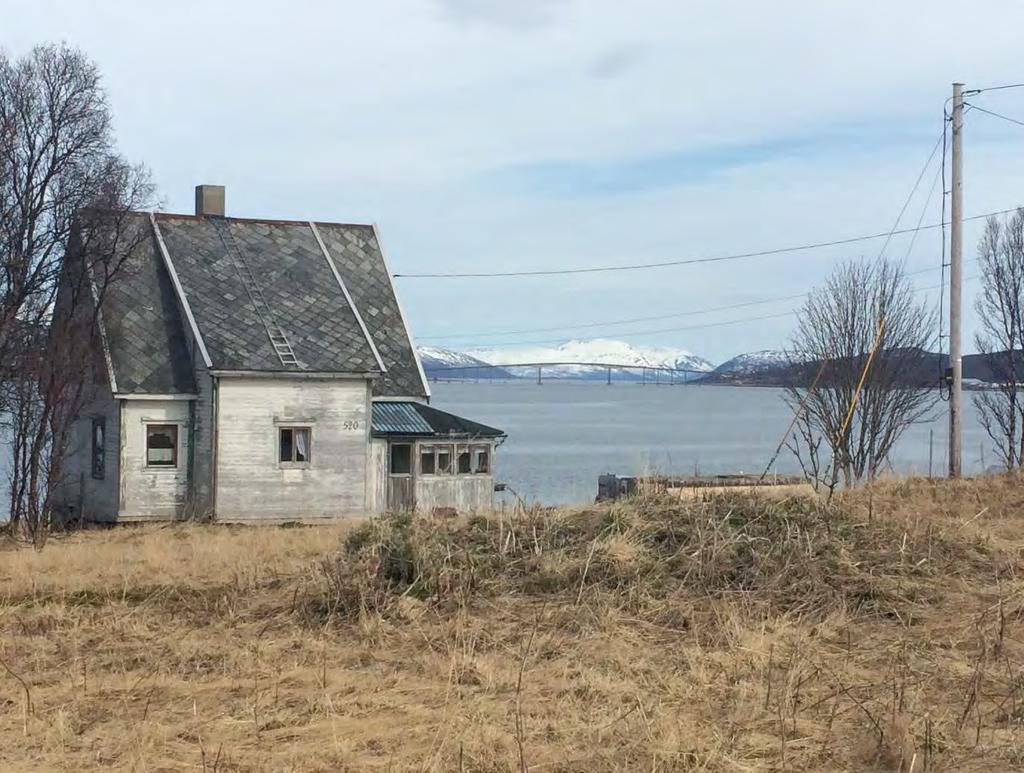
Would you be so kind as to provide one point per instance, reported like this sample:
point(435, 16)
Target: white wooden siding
point(202, 472)
point(146, 492)
point(251, 483)
point(465, 493)
point(377, 477)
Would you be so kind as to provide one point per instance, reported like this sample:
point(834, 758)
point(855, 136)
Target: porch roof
point(402, 418)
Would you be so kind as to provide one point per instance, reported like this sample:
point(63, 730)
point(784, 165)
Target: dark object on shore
point(611, 486)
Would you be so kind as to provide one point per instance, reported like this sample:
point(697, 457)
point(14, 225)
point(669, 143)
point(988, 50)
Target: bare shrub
point(839, 324)
point(1000, 307)
point(796, 556)
point(65, 195)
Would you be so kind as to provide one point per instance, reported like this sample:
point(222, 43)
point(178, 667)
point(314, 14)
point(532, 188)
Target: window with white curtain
point(294, 445)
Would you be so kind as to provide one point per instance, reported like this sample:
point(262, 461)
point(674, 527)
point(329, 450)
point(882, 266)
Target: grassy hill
point(880, 632)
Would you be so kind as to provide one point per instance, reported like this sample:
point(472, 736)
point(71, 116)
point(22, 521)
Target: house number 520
point(350, 424)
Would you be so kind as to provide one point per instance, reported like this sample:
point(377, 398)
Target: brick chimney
point(210, 200)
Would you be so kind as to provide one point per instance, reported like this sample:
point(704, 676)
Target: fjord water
point(563, 434)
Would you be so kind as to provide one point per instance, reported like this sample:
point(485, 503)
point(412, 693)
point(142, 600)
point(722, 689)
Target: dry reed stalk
point(27, 693)
point(519, 698)
point(746, 625)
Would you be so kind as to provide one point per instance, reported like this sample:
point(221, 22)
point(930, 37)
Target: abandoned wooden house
point(263, 369)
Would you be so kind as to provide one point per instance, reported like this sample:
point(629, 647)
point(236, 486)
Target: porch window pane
point(427, 460)
point(401, 459)
point(287, 444)
point(444, 460)
point(481, 459)
point(464, 465)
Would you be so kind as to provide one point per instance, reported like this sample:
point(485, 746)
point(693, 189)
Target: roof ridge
point(348, 296)
point(267, 220)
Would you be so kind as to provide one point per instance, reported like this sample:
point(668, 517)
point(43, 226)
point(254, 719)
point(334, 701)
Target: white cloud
point(784, 123)
point(503, 13)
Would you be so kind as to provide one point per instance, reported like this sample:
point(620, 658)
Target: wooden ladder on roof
point(278, 339)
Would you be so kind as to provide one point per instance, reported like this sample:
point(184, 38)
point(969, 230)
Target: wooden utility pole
point(955, 282)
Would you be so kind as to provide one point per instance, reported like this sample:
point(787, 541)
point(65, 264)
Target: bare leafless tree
point(1000, 307)
point(65, 231)
point(862, 307)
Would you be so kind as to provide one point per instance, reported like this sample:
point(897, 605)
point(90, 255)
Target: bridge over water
point(644, 374)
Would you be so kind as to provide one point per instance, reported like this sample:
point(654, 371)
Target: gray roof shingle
point(360, 261)
point(291, 288)
point(143, 326)
point(301, 293)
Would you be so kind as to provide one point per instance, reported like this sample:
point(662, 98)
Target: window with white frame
point(448, 459)
point(437, 459)
point(162, 445)
point(294, 446)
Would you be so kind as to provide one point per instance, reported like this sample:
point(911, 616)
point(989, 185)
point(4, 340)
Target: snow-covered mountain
point(448, 363)
point(754, 362)
point(438, 357)
point(591, 355)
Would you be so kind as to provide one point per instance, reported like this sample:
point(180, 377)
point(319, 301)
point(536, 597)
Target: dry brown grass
point(737, 634)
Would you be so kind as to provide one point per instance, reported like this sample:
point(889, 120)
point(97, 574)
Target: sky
point(492, 136)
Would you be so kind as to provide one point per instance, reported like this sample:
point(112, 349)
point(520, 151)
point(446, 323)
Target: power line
point(924, 211)
point(632, 320)
point(704, 326)
point(972, 92)
point(946, 119)
point(665, 330)
point(609, 323)
point(995, 114)
point(761, 253)
point(693, 261)
point(910, 196)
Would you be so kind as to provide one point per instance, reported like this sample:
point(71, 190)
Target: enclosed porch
point(430, 461)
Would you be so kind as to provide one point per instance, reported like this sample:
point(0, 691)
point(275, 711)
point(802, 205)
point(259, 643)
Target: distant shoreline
point(969, 387)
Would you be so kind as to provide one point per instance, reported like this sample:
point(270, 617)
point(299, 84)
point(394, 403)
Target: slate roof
point(360, 261)
point(240, 278)
point(400, 418)
point(143, 326)
point(301, 293)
